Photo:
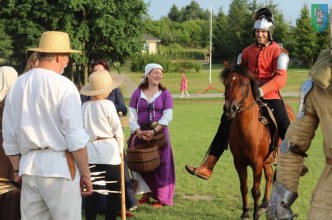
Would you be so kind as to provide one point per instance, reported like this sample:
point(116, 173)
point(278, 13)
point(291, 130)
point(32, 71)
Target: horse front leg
point(255, 190)
point(243, 176)
point(268, 173)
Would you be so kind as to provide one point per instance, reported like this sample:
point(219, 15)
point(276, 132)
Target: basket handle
point(133, 140)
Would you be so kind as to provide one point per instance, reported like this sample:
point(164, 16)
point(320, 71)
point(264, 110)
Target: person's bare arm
point(15, 161)
point(81, 158)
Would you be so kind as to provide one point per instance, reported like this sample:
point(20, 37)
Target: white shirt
point(42, 111)
point(101, 120)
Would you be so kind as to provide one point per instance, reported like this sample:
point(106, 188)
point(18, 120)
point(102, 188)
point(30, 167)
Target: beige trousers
point(321, 203)
point(54, 198)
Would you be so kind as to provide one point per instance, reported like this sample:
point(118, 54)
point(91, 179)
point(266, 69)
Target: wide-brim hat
point(101, 82)
point(54, 42)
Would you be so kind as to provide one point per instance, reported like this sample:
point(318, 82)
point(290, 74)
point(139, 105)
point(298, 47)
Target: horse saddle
point(267, 118)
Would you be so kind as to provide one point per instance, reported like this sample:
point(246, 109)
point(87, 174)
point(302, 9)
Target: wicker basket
point(143, 158)
point(159, 139)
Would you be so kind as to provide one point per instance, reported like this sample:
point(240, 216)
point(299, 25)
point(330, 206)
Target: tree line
point(108, 29)
point(189, 26)
point(113, 30)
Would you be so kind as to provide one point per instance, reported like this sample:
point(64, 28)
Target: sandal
point(145, 199)
point(157, 205)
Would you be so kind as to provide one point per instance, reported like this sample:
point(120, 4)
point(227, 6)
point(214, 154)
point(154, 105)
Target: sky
point(290, 8)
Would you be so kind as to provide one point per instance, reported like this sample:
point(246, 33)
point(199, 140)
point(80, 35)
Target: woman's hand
point(147, 135)
point(139, 134)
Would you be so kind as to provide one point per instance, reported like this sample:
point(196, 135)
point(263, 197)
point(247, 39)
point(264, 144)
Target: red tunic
point(262, 61)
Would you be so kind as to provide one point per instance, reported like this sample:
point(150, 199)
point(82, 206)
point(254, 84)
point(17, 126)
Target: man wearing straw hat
point(44, 136)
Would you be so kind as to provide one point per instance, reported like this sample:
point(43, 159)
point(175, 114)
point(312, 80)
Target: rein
point(239, 108)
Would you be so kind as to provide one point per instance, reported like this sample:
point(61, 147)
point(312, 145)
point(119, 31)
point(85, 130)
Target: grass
point(194, 124)
point(199, 81)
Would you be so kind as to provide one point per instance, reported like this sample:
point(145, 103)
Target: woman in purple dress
point(151, 110)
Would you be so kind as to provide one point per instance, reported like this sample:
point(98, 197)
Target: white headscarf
point(7, 77)
point(150, 67)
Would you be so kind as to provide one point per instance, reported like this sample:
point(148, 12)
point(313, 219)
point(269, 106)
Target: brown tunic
point(10, 201)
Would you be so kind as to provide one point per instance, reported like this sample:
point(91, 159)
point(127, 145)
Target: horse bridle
point(239, 107)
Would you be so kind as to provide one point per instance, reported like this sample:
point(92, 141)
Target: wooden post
point(123, 192)
point(124, 123)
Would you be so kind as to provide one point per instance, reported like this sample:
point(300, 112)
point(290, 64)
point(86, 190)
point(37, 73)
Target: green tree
point(305, 38)
point(163, 29)
point(174, 13)
point(240, 25)
point(192, 12)
point(221, 38)
point(100, 28)
point(290, 44)
point(5, 42)
point(323, 42)
point(198, 31)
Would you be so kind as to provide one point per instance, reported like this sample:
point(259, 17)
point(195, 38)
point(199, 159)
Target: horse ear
point(244, 65)
point(226, 65)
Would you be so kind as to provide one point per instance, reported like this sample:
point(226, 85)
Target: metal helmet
point(264, 20)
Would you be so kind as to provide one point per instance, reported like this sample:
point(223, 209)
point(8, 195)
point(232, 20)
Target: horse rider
point(269, 62)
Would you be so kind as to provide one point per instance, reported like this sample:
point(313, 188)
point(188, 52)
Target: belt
point(99, 138)
point(329, 161)
point(41, 148)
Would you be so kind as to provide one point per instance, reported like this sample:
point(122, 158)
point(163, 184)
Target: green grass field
point(199, 81)
point(193, 127)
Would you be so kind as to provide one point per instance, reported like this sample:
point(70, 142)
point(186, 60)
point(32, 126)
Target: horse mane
point(245, 72)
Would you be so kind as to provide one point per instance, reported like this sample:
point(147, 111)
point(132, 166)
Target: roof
point(150, 38)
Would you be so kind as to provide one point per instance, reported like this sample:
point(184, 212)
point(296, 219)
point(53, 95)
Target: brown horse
point(249, 138)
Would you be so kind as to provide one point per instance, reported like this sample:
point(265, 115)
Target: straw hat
point(101, 82)
point(54, 42)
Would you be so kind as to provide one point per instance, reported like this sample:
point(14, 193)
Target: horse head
point(240, 87)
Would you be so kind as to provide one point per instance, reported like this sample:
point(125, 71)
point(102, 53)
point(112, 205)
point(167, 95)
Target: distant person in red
point(183, 86)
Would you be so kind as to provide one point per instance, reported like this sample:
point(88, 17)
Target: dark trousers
point(112, 199)
point(130, 194)
point(220, 140)
point(280, 115)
